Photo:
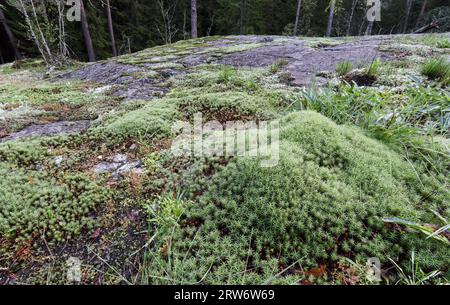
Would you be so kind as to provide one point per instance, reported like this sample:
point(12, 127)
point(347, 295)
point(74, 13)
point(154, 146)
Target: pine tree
point(111, 28)
point(422, 12)
point(350, 19)
point(194, 18)
point(408, 11)
point(87, 34)
point(297, 16)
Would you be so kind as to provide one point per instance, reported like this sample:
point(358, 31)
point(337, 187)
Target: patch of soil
point(360, 79)
point(116, 244)
point(51, 129)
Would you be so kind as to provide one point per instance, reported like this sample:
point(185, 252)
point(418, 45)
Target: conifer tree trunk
point(350, 19)
point(242, 18)
point(297, 16)
point(369, 28)
point(87, 34)
point(10, 36)
point(194, 18)
point(422, 12)
point(408, 11)
point(111, 28)
point(330, 18)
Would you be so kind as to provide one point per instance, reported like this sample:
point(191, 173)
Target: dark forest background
point(139, 24)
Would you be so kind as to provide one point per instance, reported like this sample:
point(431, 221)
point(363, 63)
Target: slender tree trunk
point(297, 16)
point(87, 34)
point(41, 34)
point(408, 11)
point(2, 61)
point(369, 28)
point(44, 12)
point(194, 18)
point(361, 26)
point(242, 18)
point(63, 50)
point(184, 25)
point(38, 43)
point(422, 12)
point(350, 19)
point(10, 35)
point(330, 18)
point(111, 28)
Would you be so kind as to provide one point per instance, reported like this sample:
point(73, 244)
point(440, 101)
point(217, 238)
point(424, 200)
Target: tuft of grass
point(278, 65)
point(344, 67)
point(416, 276)
point(437, 69)
point(443, 44)
point(373, 69)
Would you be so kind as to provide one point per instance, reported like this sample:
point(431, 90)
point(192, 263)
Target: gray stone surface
point(304, 62)
point(105, 167)
point(51, 129)
point(118, 166)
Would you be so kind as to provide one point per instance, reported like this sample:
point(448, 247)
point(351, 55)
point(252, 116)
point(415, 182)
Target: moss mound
point(33, 204)
point(325, 199)
point(156, 119)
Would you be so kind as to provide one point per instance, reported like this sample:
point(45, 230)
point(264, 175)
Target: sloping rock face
point(52, 129)
point(304, 62)
point(305, 59)
point(128, 86)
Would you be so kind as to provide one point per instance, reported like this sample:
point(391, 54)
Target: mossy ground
point(349, 157)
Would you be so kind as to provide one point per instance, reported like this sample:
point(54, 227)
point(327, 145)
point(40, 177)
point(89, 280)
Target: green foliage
point(373, 69)
point(432, 40)
point(437, 69)
point(394, 113)
point(40, 93)
point(278, 66)
point(154, 120)
point(218, 93)
point(344, 67)
point(22, 153)
point(417, 275)
point(166, 212)
point(224, 78)
point(34, 204)
point(443, 44)
point(325, 199)
point(151, 161)
point(426, 230)
point(226, 105)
